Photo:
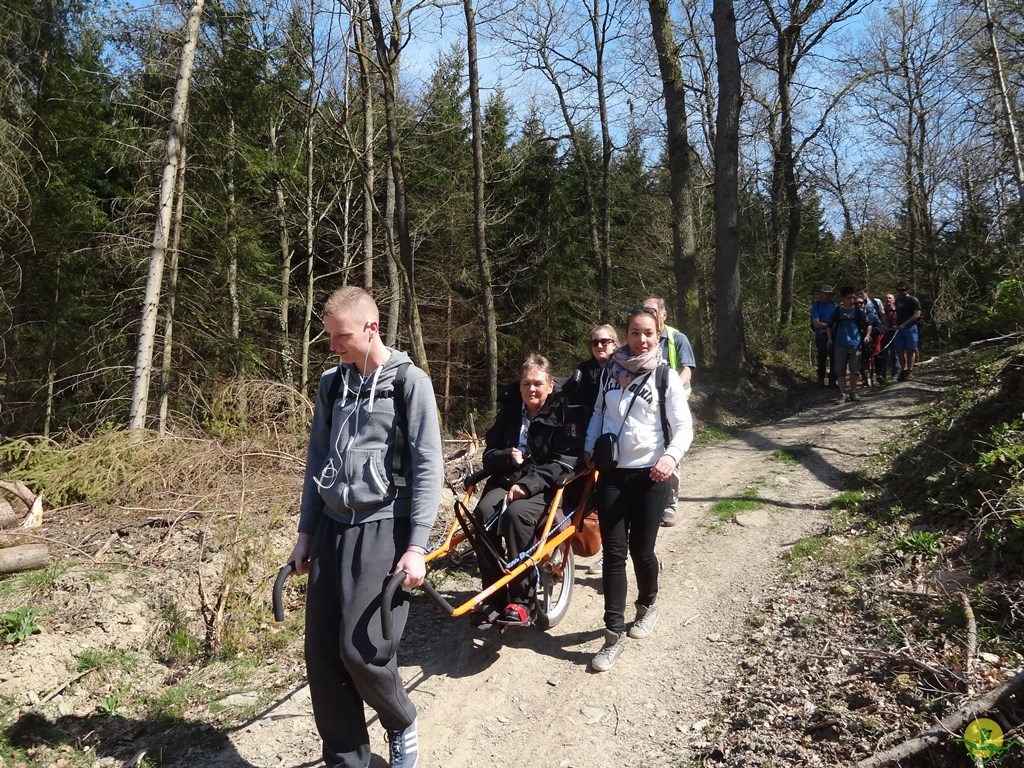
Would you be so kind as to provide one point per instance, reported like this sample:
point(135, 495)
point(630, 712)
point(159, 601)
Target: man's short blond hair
point(350, 300)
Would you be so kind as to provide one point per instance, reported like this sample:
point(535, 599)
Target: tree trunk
point(394, 287)
point(480, 217)
point(172, 294)
point(236, 307)
point(785, 186)
point(684, 248)
point(307, 314)
point(1012, 136)
point(388, 50)
point(369, 169)
point(604, 244)
point(729, 339)
point(51, 362)
point(151, 302)
point(284, 344)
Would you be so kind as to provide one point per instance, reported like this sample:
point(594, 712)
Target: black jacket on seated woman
point(534, 444)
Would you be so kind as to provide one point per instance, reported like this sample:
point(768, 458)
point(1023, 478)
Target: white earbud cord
point(329, 474)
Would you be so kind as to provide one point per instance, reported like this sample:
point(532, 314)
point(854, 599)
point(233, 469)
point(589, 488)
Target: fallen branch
point(995, 340)
point(951, 724)
point(972, 640)
point(24, 557)
point(34, 502)
point(20, 490)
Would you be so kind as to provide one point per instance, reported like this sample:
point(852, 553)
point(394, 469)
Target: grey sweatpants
point(347, 660)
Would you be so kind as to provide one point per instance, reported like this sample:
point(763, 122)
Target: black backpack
point(401, 456)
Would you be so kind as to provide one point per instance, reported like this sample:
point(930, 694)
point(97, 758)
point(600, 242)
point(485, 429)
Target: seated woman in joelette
point(528, 451)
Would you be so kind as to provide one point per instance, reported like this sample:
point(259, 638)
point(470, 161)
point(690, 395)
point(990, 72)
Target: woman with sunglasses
point(603, 343)
point(636, 405)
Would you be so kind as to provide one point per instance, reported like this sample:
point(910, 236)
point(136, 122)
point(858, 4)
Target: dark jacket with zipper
point(554, 442)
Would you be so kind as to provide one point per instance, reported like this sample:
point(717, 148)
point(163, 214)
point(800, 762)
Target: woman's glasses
point(600, 342)
point(643, 310)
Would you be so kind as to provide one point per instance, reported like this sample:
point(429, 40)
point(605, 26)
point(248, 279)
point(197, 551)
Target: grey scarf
point(624, 369)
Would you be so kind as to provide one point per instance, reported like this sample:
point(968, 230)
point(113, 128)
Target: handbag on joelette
point(606, 452)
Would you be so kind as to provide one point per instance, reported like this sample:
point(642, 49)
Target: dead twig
point(60, 689)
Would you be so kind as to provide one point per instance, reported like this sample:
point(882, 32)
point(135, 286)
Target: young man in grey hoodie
point(372, 488)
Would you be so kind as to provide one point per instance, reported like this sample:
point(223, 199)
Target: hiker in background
point(643, 410)
point(361, 519)
point(604, 340)
point(847, 332)
point(873, 309)
point(908, 314)
point(888, 361)
point(527, 452)
point(822, 310)
point(676, 351)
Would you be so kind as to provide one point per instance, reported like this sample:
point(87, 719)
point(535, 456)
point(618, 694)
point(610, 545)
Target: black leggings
point(629, 507)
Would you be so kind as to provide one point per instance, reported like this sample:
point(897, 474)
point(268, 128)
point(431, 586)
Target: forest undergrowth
point(914, 598)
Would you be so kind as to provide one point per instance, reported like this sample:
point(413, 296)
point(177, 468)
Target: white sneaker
point(668, 517)
point(646, 618)
point(614, 644)
point(597, 567)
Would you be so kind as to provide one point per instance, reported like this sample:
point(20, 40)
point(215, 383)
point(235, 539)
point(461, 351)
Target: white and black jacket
point(642, 439)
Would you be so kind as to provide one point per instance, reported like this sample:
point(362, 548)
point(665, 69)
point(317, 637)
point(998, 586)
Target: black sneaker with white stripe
point(404, 747)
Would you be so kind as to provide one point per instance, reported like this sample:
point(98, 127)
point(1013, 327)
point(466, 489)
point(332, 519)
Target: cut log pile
point(17, 551)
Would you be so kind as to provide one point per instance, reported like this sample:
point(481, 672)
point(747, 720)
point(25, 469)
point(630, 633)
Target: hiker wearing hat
point(822, 310)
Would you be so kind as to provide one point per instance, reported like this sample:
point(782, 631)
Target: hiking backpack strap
point(661, 374)
point(401, 457)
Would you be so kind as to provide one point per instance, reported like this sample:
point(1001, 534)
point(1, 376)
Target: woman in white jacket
point(632, 496)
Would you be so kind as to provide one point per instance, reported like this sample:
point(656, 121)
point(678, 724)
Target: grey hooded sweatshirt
point(350, 463)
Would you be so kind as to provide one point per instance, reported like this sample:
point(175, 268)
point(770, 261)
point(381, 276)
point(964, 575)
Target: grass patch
point(714, 434)
point(919, 543)
point(791, 457)
point(847, 556)
point(849, 501)
point(172, 703)
point(97, 659)
point(726, 509)
point(179, 645)
point(35, 583)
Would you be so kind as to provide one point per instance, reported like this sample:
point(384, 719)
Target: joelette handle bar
point(388, 597)
point(282, 576)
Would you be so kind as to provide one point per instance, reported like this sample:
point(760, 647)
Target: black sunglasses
point(600, 342)
point(643, 310)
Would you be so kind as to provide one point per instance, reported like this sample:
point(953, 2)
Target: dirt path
point(528, 698)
